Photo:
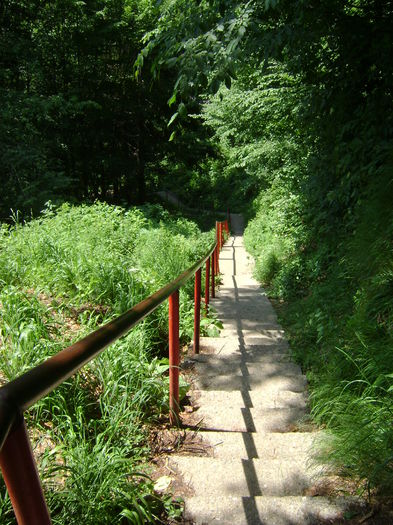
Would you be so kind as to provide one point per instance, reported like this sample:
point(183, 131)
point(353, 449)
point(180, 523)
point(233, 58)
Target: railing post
point(207, 283)
point(197, 309)
point(174, 358)
point(214, 255)
point(21, 477)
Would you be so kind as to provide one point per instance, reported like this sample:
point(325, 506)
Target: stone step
point(252, 415)
point(253, 382)
point(234, 319)
point(268, 335)
point(227, 365)
point(240, 325)
point(246, 477)
point(224, 400)
point(256, 419)
point(222, 345)
point(240, 298)
point(227, 316)
point(247, 445)
point(249, 354)
point(268, 510)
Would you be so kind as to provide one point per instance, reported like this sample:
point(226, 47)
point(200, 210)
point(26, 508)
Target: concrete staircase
point(254, 413)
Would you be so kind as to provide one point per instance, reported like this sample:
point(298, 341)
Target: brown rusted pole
point(174, 358)
point(207, 284)
point(217, 250)
point(197, 309)
point(214, 255)
point(21, 477)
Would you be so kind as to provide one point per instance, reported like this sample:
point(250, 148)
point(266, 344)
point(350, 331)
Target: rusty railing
point(17, 461)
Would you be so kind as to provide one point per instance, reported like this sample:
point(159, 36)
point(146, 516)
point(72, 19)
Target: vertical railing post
point(207, 284)
point(214, 255)
point(21, 477)
point(197, 309)
point(174, 358)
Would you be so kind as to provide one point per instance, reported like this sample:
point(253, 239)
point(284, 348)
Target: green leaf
point(173, 118)
point(171, 62)
point(182, 110)
point(172, 100)
point(215, 85)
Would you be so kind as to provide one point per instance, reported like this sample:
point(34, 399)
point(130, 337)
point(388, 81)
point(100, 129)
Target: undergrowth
point(61, 275)
point(337, 307)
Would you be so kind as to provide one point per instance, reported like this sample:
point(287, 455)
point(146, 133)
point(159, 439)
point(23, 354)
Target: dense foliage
point(75, 122)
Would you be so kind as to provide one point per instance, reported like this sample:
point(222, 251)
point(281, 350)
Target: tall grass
point(338, 311)
point(61, 275)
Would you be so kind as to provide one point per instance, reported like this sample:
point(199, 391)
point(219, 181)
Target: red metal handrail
point(16, 457)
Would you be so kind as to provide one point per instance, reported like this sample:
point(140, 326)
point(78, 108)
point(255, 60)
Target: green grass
point(62, 275)
point(336, 295)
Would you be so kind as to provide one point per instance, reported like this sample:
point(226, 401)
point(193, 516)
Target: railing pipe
point(174, 358)
point(197, 309)
point(21, 477)
point(214, 257)
point(21, 393)
point(218, 250)
point(207, 283)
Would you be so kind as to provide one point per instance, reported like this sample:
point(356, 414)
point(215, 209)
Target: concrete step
point(227, 315)
point(265, 510)
point(227, 365)
point(241, 325)
point(253, 382)
point(237, 354)
point(222, 345)
point(246, 445)
point(258, 419)
point(226, 477)
point(224, 400)
point(241, 321)
point(252, 410)
point(265, 336)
